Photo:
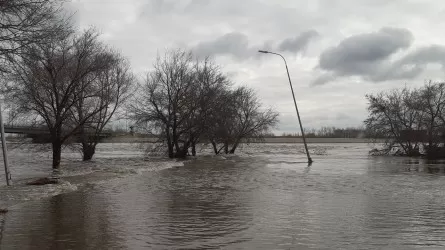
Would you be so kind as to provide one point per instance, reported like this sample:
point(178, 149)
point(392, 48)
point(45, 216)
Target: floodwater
point(265, 197)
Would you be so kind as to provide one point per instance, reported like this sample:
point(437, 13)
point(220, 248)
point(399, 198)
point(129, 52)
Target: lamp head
point(263, 51)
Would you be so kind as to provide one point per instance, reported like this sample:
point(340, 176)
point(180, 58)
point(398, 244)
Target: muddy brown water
point(265, 197)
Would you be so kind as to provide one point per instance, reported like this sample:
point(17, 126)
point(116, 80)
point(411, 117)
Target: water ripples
point(265, 197)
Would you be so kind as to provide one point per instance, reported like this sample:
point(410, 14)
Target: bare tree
point(24, 23)
point(401, 117)
point(92, 113)
point(191, 101)
point(164, 100)
point(220, 133)
point(244, 119)
point(393, 115)
point(209, 84)
point(47, 80)
point(432, 104)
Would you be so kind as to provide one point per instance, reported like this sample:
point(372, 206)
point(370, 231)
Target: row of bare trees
point(72, 83)
point(59, 77)
point(412, 120)
point(190, 101)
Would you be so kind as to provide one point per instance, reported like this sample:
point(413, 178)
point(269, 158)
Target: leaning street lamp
point(295, 102)
point(5, 153)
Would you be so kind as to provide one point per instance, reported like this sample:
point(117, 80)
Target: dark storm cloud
point(299, 42)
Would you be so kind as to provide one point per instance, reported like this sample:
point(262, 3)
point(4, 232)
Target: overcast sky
point(337, 50)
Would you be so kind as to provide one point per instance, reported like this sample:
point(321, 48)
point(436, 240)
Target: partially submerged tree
point(432, 105)
point(393, 115)
point(53, 77)
point(102, 94)
point(164, 100)
point(209, 84)
point(190, 101)
point(244, 120)
point(411, 120)
point(221, 130)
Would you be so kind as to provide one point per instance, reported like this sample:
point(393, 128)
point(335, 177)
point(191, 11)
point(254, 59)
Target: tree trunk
point(57, 153)
point(232, 150)
point(175, 140)
point(193, 149)
point(235, 145)
point(215, 149)
point(226, 147)
point(88, 151)
point(169, 144)
point(170, 151)
point(181, 153)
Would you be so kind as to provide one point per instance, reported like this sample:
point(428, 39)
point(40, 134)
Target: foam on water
point(111, 162)
point(19, 193)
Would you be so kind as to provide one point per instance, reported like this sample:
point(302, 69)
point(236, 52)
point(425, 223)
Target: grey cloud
point(342, 116)
point(235, 44)
point(160, 7)
point(322, 79)
point(368, 56)
point(414, 63)
point(409, 66)
point(361, 54)
point(425, 55)
point(299, 42)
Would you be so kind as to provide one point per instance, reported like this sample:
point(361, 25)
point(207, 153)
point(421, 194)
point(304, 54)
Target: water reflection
point(203, 204)
point(63, 222)
point(2, 227)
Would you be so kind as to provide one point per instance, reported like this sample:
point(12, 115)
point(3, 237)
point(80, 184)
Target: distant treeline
point(324, 132)
point(328, 132)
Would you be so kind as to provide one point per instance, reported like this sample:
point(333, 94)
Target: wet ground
point(265, 197)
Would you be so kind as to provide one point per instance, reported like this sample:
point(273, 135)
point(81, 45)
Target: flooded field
point(265, 197)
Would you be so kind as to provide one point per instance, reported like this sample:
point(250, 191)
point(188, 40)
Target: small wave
point(20, 192)
point(76, 176)
point(148, 167)
point(56, 189)
point(287, 162)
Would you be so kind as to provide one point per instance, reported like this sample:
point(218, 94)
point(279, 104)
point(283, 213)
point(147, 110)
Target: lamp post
point(5, 154)
point(295, 102)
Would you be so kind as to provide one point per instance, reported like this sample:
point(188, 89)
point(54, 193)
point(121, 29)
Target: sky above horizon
point(337, 50)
